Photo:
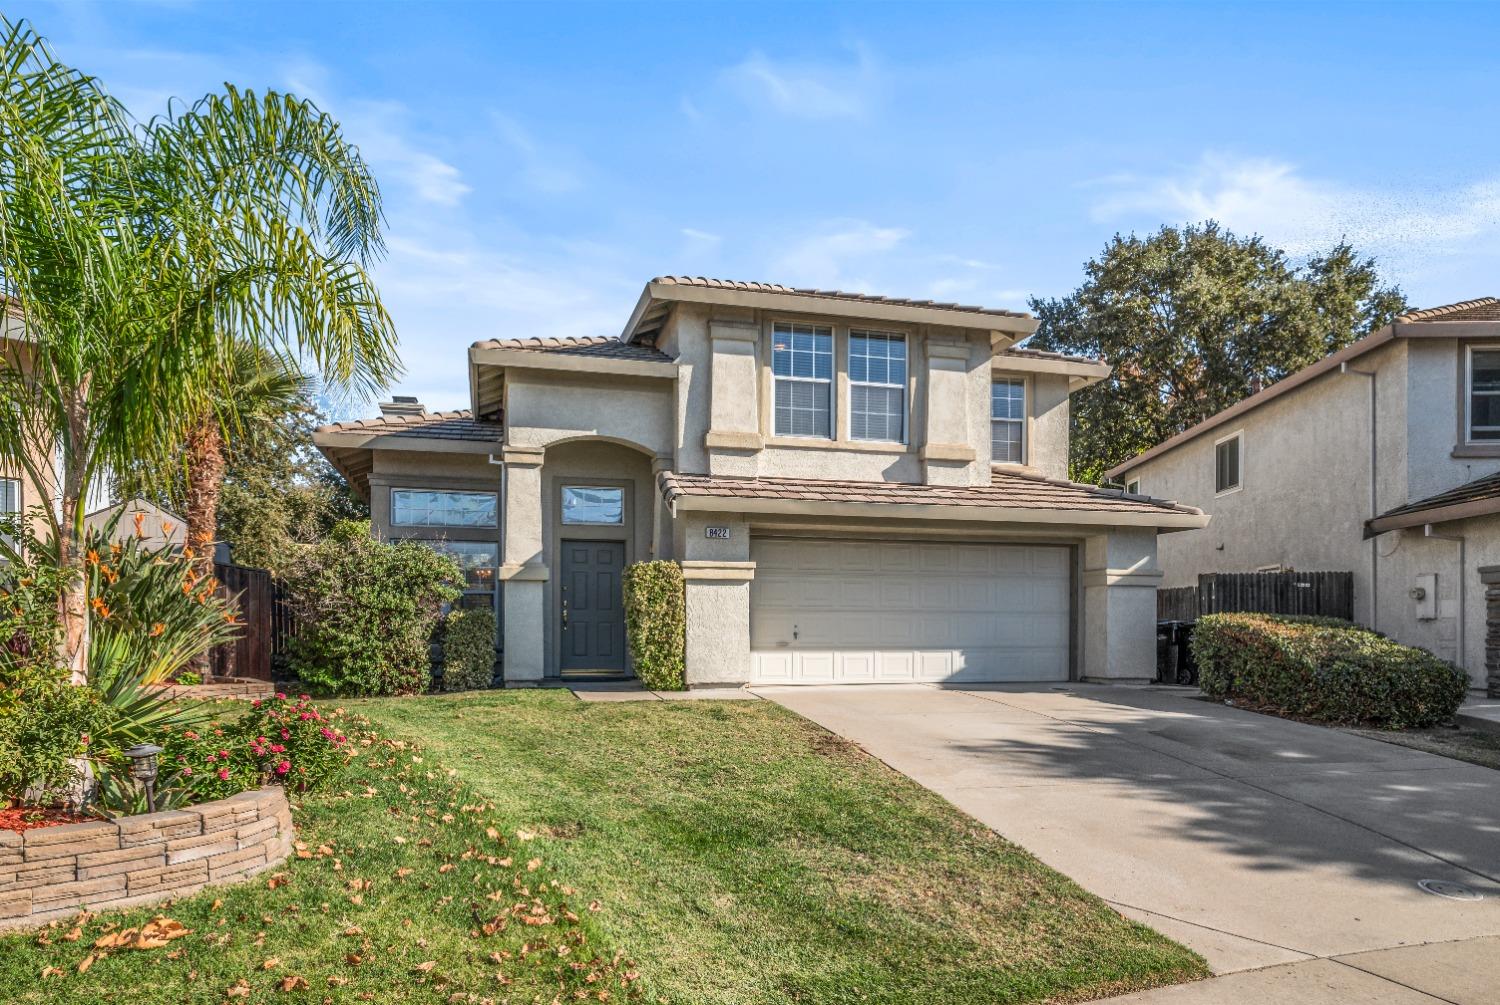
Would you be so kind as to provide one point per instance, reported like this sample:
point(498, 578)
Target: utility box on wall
point(1424, 595)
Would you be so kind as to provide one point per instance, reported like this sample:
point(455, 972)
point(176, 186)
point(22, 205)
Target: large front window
point(1008, 421)
point(802, 362)
point(479, 561)
point(1484, 395)
point(435, 508)
point(877, 386)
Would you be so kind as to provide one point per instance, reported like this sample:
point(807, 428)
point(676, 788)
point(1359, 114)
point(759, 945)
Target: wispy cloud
point(808, 90)
point(541, 168)
point(842, 254)
point(1304, 214)
point(703, 236)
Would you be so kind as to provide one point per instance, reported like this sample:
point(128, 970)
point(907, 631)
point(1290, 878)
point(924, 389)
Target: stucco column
point(1489, 575)
point(523, 570)
point(1120, 578)
point(947, 453)
point(718, 572)
point(733, 435)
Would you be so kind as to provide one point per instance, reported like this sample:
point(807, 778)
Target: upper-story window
point(802, 362)
point(1484, 394)
point(1227, 454)
point(877, 386)
point(1008, 421)
point(437, 508)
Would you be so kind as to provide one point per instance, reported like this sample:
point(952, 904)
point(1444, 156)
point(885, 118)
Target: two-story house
point(858, 488)
point(1382, 459)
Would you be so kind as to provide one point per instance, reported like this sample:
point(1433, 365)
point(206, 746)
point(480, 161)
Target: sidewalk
point(1455, 973)
point(1480, 713)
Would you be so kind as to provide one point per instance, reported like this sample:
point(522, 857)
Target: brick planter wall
point(52, 872)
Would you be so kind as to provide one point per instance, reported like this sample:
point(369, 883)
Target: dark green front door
point(592, 615)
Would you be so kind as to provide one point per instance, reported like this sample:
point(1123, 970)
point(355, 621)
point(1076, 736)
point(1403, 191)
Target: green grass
point(735, 854)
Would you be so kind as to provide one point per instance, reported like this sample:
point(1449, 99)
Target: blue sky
point(540, 163)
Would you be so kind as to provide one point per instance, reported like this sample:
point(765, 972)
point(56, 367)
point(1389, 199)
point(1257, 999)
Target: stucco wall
point(1305, 468)
point(1435, 386)
point(33, 493)
point(542, 408)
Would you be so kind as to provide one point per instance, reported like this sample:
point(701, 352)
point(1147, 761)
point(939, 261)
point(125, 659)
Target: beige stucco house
point(19, 493)
point(1382, 459)
point(859, 489)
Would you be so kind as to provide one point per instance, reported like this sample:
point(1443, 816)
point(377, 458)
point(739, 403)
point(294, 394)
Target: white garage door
point(868, 612)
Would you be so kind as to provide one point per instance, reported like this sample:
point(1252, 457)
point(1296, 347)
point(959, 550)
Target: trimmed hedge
point(656, 623)
point(1325, 669)
point(469, 650)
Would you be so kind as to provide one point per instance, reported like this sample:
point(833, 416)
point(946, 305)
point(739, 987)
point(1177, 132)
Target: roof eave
point(355, 439)
point(529, 359)
point(1078, 372)
point(1177, 520)
point(1014, 327)
point(1436, 514)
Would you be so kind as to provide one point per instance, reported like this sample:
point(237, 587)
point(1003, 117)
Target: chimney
point(401, 404)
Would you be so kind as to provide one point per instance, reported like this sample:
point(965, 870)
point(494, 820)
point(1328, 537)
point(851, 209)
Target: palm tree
point(141, 255)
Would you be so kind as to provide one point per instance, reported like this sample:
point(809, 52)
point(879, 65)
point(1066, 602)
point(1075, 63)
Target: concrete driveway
point(1254, 840)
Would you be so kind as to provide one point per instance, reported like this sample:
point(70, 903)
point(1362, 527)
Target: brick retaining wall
point(52, 872)
point(232, 687)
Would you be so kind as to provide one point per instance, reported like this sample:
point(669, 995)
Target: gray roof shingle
point(598, 346)
point(456, 425)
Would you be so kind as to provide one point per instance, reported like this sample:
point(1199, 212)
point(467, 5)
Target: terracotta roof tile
point(456, 425)
point(1482, 309)
point(1006, 490)
point(1026, 353)
point(605, 346)
point(731, 284)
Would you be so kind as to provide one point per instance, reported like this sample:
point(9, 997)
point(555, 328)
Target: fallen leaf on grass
point(51, 972)
point(271, 964)
point(239, 989)
point(425, 967)
point(293, 983)
point(86, 962)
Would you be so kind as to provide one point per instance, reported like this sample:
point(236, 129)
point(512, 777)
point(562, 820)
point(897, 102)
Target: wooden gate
point(265, 617)
point(1330, 594)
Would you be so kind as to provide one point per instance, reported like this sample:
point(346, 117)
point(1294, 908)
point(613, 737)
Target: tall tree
point(141, 255)
point(1194, 319)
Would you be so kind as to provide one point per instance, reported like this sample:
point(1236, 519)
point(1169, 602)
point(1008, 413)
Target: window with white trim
point(1227, 454)
point(1008, 421)
point(10, 501)
point(877, 386)
point(1133, 487)
point(442, 508)
point(1483, 378)
point(802, 363)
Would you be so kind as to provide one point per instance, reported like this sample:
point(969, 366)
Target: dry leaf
point(445, 867)
point(337, 981)
point(293, 983)
point(271, 964)
point(51, 972)
point(425, 967)
point(86, 962)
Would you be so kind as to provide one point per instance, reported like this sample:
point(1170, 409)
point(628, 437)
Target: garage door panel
point(873, 611)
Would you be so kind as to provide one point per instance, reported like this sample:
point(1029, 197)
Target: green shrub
point(366, 611)
point(469, 650)
point(1324, 669)
point(656, 623)
point(46, 726)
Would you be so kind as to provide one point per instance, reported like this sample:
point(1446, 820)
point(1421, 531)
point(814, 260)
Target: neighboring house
point(859, 489)
point(1382, 459)
point(18, 492)
point(156, 527)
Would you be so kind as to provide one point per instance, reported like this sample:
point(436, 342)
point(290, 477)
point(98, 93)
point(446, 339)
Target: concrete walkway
point(1256, 841)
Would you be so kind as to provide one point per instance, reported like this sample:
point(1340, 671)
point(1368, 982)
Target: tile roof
point(1026, 353)
point(730, 284)
point(1482, 309)
point(456, 425)
point(1478, 491)
point(606, 346)
point(1008, 490)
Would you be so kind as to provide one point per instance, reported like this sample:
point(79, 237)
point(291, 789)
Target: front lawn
point(535, 847)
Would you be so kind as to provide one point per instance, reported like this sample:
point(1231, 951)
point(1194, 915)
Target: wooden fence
point(267, 621)
point(1323, 593)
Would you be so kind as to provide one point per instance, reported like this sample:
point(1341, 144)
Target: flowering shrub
point(281, 740)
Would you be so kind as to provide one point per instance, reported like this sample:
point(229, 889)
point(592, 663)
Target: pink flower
point(223, 774)
point(255, 703)
point(190, 734)
point(224, 754)
point(280, 696)
point(277, 748)
point(283, 767)
point(212, 757)
point(186, 770)
point(286, 734)
point(304, 697)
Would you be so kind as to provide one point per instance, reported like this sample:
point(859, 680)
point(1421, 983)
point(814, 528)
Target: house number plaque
point(716, 533)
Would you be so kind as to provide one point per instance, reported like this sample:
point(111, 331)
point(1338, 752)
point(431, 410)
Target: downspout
point(500, 583)
point(1344, 367)
point(1427, 532)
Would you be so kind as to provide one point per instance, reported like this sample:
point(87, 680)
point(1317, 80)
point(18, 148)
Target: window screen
point(1484, 394)
point(802, 363)
point(877, 386)
point(1008, 421)
point(1227, 464)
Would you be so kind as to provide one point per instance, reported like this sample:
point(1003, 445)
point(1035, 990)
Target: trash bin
point(1166, 652)
point(1187, 667)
